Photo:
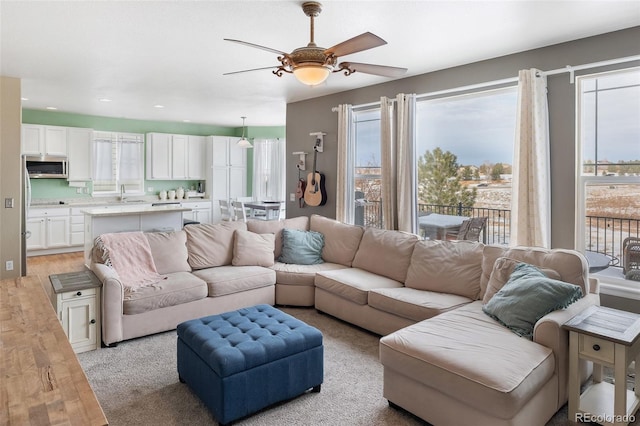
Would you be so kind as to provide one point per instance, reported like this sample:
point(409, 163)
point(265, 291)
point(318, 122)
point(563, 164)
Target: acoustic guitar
point(315, 193)
point(302, 184)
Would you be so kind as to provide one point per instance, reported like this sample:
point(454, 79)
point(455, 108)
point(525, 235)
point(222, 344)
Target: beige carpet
point(137, 384)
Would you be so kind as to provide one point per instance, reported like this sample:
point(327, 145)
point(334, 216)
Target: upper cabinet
point(79, 158)
point(44, 140)
point(177, 157)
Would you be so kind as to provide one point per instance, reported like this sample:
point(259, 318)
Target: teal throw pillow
point(528, 296)
point(301, 247)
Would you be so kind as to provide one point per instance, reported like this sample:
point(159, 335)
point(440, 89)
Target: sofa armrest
point(112, 303)
point(548, 332)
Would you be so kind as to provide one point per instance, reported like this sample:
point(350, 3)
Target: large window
point(118, 159)
point(464, 150)
point(609, 162)
point(367, 211)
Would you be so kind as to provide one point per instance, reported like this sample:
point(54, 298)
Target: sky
point(480, 128)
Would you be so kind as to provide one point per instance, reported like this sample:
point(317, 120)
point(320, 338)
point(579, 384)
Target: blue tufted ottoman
point(243, 361)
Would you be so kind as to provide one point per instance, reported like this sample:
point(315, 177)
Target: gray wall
point(315, 115)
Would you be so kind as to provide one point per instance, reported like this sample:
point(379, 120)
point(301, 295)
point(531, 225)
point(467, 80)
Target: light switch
point(292, 197)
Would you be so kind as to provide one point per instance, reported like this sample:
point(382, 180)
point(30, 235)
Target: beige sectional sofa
point(444, 359)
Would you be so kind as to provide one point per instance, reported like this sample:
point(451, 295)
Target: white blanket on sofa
point(129, 253)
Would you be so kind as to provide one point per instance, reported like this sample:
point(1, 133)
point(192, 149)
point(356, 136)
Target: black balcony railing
point(602, 234)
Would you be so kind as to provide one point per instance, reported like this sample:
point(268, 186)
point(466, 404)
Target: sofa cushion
point(301, 247)
point(499, 375)
point(211, 245)
point(301, 275)
point(416, 305)
point(276, 226)
point(385, 253)
point(341, 240)
point(251, 249)
point(169, 251)
point(353, 284)
point(177, 288)
point(571, 265)
point(528, 296)
point(451, 267)
point(235, 279)
point(502, 269)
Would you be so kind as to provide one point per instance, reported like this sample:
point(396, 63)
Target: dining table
point(271, 209)
point(436, 226)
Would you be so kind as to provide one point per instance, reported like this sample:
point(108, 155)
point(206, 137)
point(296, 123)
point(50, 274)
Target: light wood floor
point(43, 266)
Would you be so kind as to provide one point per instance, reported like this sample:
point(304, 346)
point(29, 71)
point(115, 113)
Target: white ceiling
point(69, 54)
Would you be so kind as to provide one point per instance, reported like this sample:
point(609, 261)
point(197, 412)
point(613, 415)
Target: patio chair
point(472, 228)
point(631, 254)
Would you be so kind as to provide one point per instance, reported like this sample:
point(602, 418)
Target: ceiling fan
point(312, 65)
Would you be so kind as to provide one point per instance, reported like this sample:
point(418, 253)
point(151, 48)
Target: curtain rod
point(569, 69)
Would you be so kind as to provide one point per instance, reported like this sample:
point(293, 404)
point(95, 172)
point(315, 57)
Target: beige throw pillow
point(251, 249)
point(169, 251)
point(502, 270)
point(341, 240)
point(276, 227)
point(211, 245)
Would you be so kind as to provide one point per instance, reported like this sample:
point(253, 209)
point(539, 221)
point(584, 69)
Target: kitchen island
point(124, 218)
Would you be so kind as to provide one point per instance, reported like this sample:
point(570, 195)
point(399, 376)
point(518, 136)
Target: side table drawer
point(597, 348)
point(83, 293)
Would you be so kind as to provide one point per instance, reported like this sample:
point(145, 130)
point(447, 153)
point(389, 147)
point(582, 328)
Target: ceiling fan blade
point(382, 70)
point(257, 46)
point(356, 44)
point(253, 69)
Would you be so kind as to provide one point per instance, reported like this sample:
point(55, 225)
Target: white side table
point(76, 300)
point(607, 337)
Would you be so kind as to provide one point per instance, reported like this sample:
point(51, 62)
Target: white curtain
point(269, 169)
point(531, 199)
point(388, 165)
point(405, 163)
point(346, 159)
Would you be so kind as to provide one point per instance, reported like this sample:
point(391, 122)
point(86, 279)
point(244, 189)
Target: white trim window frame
point(613, 230)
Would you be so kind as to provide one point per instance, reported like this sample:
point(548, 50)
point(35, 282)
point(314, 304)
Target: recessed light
point(186, 121)
point(104, 100)
point(24, 99)
point(158, 106)
point(52, 108)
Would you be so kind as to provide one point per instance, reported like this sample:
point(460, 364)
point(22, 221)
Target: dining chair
point(226, 214)
point(239, 210)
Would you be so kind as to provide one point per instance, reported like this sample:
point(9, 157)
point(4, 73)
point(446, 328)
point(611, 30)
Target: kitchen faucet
point(122, 192)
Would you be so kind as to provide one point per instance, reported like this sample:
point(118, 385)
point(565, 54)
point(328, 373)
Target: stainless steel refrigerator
point(26, 204)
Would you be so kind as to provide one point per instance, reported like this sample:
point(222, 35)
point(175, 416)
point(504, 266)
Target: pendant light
point(243, 142)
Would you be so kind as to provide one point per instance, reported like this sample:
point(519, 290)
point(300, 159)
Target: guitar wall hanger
point(319, 140)
point(302, 161)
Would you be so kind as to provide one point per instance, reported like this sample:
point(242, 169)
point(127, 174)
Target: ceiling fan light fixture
point(311, 75)
point(243, 142)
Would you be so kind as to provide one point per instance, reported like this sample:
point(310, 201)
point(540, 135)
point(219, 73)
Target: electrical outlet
point(8, 203)
point(9, 265)
point(150, 189)
point(78, 190)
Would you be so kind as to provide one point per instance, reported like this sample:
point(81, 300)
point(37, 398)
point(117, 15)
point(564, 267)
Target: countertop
point(113, 210)
point(103, 202)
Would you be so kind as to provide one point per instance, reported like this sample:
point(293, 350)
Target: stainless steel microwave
point(46, 167)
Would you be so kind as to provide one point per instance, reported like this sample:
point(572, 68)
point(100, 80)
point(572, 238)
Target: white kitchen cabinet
point(158, 156)
point(76, 300)
point(49, 228)
point(200, 211)
point(79, 158)
point(227, 176)
point(197, 156)
point(175, 157)
point(44, 140)
point(77, 226)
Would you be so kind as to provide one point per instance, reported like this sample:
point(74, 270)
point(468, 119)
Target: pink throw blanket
point(130, 255)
